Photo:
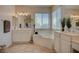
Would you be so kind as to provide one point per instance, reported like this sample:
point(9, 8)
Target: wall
point(6, 13)
point(34, 9)
point(66, 11)
point(31, 9)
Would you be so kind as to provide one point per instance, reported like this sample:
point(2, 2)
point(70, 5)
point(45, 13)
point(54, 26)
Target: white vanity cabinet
point(75, 43)
point(66, 44)
point(57, 42)
point(22, 36)
point(63, 42)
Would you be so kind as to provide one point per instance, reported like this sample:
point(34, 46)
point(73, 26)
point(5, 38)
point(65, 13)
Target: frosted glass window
point(41, 20)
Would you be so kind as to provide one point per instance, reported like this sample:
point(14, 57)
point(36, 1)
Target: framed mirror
point(75, 23)
point(6, 24)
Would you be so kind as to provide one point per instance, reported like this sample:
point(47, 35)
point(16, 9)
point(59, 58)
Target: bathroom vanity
point(65, 42)
point(22, 35)
point(75, 44)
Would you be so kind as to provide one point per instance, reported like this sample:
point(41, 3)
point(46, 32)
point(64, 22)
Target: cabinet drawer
point(65, 46)
point(65, 37)
point(57, 42)
point(56, 35)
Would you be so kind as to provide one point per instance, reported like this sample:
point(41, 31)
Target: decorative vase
point(62, 29)
point(68, 29)
point(26, 24)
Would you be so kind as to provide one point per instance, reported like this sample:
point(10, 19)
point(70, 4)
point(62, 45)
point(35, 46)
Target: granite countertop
point(74, 36)
point(69, 33)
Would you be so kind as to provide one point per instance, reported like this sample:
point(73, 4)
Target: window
point(56, 19)
point(41, 20)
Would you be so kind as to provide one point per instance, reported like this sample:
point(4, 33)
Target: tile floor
point(27, 48)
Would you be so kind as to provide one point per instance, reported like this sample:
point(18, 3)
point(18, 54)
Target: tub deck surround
point(67, 41)
point(43, 41)
point(47, 33)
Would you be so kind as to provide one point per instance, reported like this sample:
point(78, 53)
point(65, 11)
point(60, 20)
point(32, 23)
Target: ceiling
point(35, 5)
point(66, 6)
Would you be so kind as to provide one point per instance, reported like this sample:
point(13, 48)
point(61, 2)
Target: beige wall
point(32, 9)
point(66, 11)
point(7, 10)
point(35, 9)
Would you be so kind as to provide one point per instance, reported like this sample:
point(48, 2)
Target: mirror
point(6, 24)
point(75, 23)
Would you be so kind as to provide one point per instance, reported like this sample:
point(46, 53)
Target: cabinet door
point(57, 42)
point(65, 44)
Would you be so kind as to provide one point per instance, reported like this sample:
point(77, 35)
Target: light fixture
point(74, 15)
point(23, 14)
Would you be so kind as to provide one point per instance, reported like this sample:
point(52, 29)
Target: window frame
point(43, 20)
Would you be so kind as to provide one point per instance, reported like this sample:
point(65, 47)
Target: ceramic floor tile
point(27, 48)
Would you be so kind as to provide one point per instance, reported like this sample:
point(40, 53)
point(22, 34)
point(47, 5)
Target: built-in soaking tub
point(43, 41)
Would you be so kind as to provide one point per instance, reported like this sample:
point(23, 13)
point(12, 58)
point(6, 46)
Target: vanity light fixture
point(24, 14)
point(74, 15)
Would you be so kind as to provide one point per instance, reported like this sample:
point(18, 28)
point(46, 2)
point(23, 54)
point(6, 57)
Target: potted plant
point(68, 24)
point(63, 23)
